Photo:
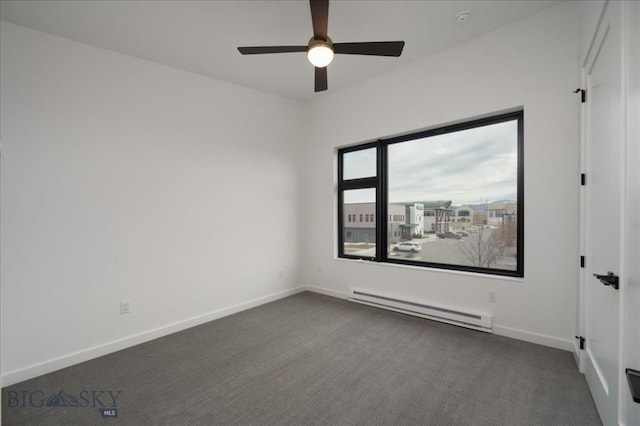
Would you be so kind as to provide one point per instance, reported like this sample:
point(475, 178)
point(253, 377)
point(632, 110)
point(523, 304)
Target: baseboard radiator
point(447, 315)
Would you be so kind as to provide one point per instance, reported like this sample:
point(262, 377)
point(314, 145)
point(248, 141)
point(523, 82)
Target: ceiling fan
point(320, 49)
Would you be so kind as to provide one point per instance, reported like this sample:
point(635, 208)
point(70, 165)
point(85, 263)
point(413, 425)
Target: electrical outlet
point(281, 274)
point(492, 296)
point(125, 307)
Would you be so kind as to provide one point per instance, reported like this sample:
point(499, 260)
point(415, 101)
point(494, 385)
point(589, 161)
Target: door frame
point(630, 411)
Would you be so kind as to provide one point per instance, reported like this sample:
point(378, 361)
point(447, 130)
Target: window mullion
point(370, 182)
point(381, 203)
point(340, 205)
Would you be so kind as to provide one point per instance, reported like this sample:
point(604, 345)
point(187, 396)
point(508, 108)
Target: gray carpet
point(314, 360)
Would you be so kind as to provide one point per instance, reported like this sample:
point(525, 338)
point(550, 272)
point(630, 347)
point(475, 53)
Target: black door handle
point(609, 279)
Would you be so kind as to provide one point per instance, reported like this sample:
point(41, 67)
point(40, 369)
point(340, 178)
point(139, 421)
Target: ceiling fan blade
point(321, 79)
point(319, 18)
point(376, 48)
point(256, 50)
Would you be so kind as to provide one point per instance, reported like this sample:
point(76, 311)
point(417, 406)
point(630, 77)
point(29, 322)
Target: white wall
point(124, 179)
point(533, 63)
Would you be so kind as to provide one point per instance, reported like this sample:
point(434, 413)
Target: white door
point(603, 216)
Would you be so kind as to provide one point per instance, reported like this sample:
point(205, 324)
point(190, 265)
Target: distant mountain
point(481, 207)
point(478, 207)
point(62, 399)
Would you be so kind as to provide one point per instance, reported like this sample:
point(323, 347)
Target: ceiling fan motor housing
point(316, 42)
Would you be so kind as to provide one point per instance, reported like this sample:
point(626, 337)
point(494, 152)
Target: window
point(418, 181)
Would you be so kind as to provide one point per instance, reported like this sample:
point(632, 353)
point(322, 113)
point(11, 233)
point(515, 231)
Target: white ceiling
point(202, 36)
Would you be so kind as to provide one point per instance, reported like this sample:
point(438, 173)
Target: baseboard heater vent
point(450, 316)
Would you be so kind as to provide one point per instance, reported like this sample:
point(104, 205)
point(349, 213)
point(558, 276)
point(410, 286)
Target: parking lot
point(436, 250)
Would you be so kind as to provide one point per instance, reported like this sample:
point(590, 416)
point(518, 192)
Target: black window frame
point(379, 183)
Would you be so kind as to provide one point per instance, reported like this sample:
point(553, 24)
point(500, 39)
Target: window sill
point(434, 270)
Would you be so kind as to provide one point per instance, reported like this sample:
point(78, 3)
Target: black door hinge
point(583, 179)
point(581, 341)
point(583, 94)
point(582, 260)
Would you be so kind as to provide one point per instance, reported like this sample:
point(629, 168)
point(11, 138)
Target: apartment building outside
point(406, 220)
point(502, 213)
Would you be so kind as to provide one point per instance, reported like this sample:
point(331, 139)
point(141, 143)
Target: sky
point(467, 167)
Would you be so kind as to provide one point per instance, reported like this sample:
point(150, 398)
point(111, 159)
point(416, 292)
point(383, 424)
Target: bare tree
point(507, 235)
point(480, 248)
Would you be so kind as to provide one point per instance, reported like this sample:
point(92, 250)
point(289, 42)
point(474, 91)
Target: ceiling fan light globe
point(320, 55)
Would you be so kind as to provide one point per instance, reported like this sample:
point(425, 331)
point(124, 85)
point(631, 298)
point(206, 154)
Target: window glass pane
point(453, 197)
point(359, 235)
point(359, 164)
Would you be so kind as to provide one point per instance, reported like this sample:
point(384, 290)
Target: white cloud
point(468, 166)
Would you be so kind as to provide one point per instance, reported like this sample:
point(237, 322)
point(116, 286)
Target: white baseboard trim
point(528, 336)
point(87, 354)
point(327, 291)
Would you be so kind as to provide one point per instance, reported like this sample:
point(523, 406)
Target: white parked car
point(408, 246)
